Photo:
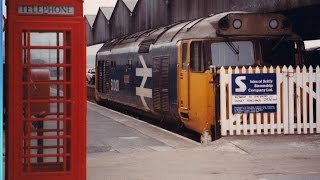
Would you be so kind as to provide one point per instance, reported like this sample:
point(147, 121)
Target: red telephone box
point(46, 137)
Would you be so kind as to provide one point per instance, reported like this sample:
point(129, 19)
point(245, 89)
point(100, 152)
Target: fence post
point(244, 116)
point(298, 98)
point(258, 115)
point(291, 100)
point(238, 120)
point(304, 99)
point(251, 120)
point(285, 99)
point(318, 97)
point(310, 90)
point(231, 127)
point(279, 80)
point(223, 101)
point(265, 115)
point(272, 124)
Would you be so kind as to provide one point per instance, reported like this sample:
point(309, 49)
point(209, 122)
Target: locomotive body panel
point(143, 81)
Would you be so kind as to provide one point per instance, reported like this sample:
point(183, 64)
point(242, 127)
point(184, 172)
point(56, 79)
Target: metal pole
point(1, 97)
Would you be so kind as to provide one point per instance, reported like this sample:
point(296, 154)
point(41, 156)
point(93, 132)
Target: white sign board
point(44, 10)
point(254, 93)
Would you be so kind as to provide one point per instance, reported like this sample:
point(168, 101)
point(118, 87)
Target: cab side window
point(197, 60)
point(184, 55)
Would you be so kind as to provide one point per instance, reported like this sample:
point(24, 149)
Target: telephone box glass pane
point(46, 102)
point(46, 39)
point(46, 56)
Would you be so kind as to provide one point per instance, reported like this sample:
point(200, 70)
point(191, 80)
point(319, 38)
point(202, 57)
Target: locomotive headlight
point(274, 24)
point(224, 24)
point(286, 23)
point(237, 24)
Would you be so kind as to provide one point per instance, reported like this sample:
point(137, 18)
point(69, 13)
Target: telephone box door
point(47, 102)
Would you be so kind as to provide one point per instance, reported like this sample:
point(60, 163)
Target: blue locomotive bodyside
point(143, 81)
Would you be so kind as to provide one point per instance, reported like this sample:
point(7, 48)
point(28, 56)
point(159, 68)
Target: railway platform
point(111, 131)
point(120, 147)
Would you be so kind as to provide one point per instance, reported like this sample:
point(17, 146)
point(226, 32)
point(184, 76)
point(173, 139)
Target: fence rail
point(297, 106)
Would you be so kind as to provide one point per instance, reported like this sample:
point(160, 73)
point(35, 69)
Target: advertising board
point(254, 93)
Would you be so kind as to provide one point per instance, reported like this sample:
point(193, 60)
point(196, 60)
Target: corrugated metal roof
point(90, 19)
point(131, 4)
point(107, 11)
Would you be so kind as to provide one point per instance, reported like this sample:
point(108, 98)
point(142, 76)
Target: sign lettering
point(43, 10)
point(254, 93)
point(114, 85)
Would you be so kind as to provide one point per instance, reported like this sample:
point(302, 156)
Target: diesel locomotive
point(171, 72)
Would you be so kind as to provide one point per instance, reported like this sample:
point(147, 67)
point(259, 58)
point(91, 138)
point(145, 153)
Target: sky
point(92, 6)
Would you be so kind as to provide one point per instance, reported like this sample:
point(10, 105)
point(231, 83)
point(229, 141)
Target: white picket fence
point(298, 103)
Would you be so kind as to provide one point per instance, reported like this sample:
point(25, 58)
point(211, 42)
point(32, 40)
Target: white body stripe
point(144, 92)
point(144, 72)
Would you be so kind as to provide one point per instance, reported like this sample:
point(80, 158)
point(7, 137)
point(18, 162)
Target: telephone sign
point(44, 10)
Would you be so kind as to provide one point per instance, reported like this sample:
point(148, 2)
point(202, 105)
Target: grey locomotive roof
point(107, 11)
point(200, 28)
point(90, 19)
point(131, 4)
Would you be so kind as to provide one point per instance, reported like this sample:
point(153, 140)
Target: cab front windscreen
point(232, 53)
point(242, 53)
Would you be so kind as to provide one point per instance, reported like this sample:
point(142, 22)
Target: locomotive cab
point(243, 39)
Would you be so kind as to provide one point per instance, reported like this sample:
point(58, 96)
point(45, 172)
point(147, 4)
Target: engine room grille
point(156, 84)
point(103, 76)
point(160, 74)
point(165, 84)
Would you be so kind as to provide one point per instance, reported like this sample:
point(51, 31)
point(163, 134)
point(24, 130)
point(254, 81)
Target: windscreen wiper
point(233, 47)
point(278, 43)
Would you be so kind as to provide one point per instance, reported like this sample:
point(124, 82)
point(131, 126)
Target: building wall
point(150, 14)
point(89, 34)
point(159, 15)
point(141, 16)
point(217, 6)
point(101, 28)
point(121, 22)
